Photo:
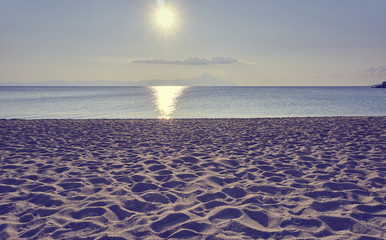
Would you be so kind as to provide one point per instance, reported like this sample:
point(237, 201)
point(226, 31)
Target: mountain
point(202, 80)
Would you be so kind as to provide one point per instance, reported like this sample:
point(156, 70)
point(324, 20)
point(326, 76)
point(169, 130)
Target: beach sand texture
point(283, 178)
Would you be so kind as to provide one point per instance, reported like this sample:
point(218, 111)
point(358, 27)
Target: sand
point(288, 178)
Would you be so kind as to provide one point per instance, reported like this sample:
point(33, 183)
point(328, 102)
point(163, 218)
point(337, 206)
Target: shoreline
point(191, 119)
point(207, 178)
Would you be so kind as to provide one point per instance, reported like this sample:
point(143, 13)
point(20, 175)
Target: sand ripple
point(290, 178)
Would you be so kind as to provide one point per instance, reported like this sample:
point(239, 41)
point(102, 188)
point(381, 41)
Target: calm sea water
point(189, 102)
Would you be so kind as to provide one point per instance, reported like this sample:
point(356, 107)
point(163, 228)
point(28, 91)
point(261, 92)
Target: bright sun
point(165, 18)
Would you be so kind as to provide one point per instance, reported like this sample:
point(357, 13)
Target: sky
point(248, 42)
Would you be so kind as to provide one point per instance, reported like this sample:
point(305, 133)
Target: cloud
point(374, 71)
point(190, 61)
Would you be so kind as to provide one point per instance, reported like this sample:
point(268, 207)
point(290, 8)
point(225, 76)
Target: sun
point(165, 18)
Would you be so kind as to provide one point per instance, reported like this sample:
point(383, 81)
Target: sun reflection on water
point(165, 99)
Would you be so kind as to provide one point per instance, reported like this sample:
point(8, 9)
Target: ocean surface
point(189, 102)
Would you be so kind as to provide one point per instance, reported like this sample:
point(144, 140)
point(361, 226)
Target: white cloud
point(369, 72)
point(374, 71)
point(190, 61)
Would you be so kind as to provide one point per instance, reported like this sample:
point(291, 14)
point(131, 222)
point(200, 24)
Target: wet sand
point(283, 178)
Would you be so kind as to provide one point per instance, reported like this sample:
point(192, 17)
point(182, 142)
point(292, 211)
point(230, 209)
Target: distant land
point(202, 80)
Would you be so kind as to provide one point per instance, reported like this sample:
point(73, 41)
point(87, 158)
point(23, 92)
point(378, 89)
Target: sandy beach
point(279, 178)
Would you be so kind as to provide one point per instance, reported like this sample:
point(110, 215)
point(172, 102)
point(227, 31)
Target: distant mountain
point(383, 85)
point(202, 80)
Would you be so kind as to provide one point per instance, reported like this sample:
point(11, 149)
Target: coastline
point(313, 177)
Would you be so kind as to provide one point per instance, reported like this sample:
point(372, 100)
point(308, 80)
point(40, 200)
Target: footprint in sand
point(226, 213)
point(170, 220)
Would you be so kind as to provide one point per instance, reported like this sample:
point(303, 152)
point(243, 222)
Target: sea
point(167, 102)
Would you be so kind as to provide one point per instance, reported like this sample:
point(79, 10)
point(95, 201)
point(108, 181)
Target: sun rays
point(165, 17)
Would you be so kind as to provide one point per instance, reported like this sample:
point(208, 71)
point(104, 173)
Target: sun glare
point(165, 99)
point(165, 18)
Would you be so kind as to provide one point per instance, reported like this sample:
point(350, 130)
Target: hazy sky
point(249, 42)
